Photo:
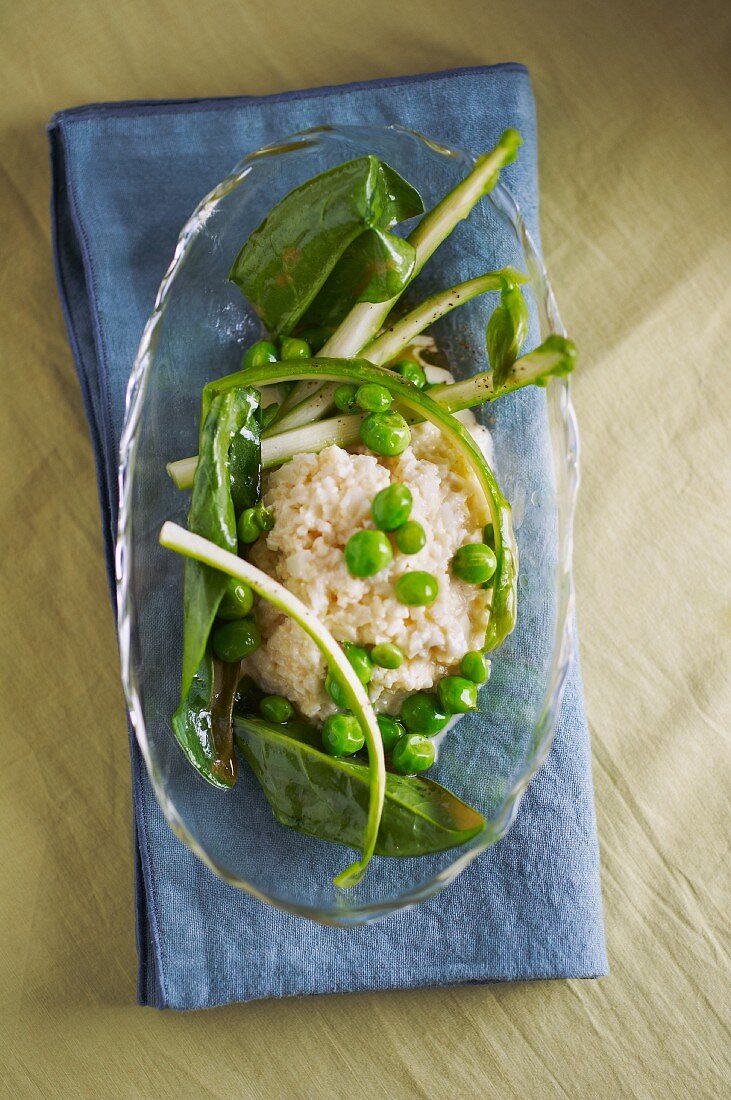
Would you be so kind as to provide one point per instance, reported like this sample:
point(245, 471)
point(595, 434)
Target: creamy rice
point(319, 501)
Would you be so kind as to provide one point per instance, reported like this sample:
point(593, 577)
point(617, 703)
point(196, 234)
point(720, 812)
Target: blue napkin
point(125, 178)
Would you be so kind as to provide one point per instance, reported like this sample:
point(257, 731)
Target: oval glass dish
point(197, 332)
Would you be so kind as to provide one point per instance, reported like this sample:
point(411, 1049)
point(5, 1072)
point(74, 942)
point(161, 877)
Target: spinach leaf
point(328, 798)
point(402, 200)
point(230, 421)
point(376, 267)
point(202, 722)
point(287, 259)
point(227, 480)
point(244, 455)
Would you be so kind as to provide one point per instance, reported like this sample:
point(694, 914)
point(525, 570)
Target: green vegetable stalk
point(366, 318)
point(385, 348)
point(224, 562)
point(555, 357)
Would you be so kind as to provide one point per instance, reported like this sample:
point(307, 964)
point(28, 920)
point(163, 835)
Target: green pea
point(417, 589)
point(387, 655)
point(344, 398)
point(392, 506)
point(474, 563)
point(488, 535)
point(411, 371)
point(268, 414)
point(366, 552)
point(247, 527)
point(336, 691)
point(264, 517)
point(259, 354)
point(411, 537)
point(361, 662)
point(412, 754)
point(237, 602)
point(386, 433)
point(391, 731)
point(473, 667)
point(275, 708)
point(422, 713)
point(342, 735)
point(236, 640)
point(457, 695)
point(292, 348)
point(373, 398)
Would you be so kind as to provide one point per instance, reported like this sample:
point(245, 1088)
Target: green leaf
point(227, 480)
point(328, 798)
point(288, 258)
point(244, 454)
point(506, 330)
point(212, 511)
point(202, 722)
point(375, 267)
point(402, 200)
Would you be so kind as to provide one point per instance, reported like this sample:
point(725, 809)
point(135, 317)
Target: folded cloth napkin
point(125, 178)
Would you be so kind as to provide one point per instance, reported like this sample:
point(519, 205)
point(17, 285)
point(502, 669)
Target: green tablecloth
point(632, 109)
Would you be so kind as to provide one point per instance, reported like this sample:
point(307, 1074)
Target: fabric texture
point(126, 176)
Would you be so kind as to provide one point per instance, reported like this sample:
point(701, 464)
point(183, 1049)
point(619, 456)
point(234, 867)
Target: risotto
point(319, 500)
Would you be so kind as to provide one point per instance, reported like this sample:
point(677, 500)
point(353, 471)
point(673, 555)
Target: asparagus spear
point(555, 357)
point(366, 318)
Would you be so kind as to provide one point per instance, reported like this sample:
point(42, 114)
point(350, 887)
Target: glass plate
point(197, 331)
